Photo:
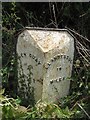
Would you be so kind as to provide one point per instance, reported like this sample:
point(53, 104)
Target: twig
point(79, 101)
point(55, 16)
point(48, 25)
point(77, 34)
point(83, 110)
point(50, 9)
point(78, 45)
point(59, 12)
point(83, 56)
point(53, 23)
point(83, 49)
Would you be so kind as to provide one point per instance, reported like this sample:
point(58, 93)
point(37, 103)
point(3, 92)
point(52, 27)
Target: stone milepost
point(49, 53)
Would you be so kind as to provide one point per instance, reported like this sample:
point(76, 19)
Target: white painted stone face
point(49, 55)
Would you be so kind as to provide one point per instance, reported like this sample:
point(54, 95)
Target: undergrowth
point(73, 15)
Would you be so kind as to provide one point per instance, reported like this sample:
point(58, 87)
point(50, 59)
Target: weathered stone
point(45, 63)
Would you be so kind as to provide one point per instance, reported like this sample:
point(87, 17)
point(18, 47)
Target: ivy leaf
point(2, 91)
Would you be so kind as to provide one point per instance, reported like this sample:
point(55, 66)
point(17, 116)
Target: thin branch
point(55, 16)
point(81, 100)
point(77, 34)
point(83, 49)
point(59, 13)
point(48, 24)
point(78, 45)
point(83, 110)
point(50, 10)
point(83, 56)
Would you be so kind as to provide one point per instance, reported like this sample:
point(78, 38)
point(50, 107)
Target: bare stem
point(83, 110)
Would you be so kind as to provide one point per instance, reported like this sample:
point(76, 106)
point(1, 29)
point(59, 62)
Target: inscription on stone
point(37, 60)
point(46, 59)
point(48, 64)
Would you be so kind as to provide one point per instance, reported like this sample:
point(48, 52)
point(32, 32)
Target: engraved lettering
point(30, 55)
point(51, 81)
point(59, 68)
point(24, 54)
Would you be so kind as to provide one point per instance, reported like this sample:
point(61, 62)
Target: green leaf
point(2, 91)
